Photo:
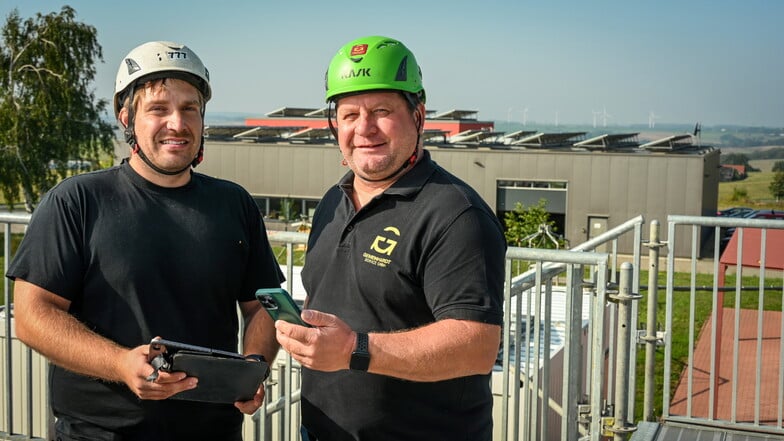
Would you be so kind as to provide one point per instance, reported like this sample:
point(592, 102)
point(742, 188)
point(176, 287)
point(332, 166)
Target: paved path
point(747, 370)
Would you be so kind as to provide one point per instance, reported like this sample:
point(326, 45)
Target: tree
point(48, 111)
point(778, 166)
point(777, 186)
point(735, 159)
point(738, 159)
point(531, 227)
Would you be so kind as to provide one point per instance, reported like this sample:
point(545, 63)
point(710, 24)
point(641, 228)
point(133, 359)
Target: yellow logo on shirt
point(384, 246)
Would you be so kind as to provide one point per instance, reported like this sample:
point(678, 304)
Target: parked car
point(768, 214)
point(753, 214)
point(735, 212)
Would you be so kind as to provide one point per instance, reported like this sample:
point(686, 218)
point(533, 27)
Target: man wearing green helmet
point(404, 272)
point(113, 258)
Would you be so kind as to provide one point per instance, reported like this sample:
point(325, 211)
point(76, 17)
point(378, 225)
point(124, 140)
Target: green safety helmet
point(374, 63)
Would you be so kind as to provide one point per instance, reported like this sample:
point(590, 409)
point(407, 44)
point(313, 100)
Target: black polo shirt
point(137, 260)
point(428, 248)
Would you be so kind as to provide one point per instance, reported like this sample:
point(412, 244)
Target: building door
point(596, 226)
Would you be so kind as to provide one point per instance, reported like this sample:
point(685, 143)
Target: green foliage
point(778, 166)
point(48, 111)
point(752, 137)
point(757, 189)
point(739, 194)
point(530, 227)
point(298, 259)
point(771, 153)
point(738, 159)
point(15, 240)
point(777, 185)
point(735, 159)
point(289, 209)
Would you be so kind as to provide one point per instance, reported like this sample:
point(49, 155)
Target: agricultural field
point(752, 192)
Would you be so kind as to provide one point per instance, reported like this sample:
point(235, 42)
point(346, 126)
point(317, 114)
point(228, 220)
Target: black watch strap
point(360, 358)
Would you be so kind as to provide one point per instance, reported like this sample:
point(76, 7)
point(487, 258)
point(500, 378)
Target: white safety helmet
point(160, 59)
point(152, 61)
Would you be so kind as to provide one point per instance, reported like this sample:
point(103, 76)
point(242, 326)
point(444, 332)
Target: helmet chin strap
point(409, 162)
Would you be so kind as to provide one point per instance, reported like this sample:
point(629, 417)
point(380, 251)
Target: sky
point(606, 62)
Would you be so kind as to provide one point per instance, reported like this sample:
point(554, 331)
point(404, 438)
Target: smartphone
point(280, 305)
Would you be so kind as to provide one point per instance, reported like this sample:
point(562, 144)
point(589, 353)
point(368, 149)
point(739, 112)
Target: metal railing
point(580, 374)
point(283, 395)
point(278, 418)
point(725, 376)
point(579, 387)
point(24, 410)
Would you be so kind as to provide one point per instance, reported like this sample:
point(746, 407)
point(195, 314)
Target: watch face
point(359, 361)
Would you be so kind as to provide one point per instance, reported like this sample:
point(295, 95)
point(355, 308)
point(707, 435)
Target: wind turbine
point(652, 119)
point(605, 115)
point(697, 133)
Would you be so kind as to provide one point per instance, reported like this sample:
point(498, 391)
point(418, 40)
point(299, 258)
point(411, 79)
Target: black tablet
point(224, 377)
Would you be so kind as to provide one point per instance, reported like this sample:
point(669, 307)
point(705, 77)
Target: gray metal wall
point(618, 185)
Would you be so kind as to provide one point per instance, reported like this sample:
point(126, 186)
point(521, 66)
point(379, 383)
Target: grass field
point(755, 186)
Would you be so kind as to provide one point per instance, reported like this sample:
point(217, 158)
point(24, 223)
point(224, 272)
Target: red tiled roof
point(774, 252)
point(740, 168)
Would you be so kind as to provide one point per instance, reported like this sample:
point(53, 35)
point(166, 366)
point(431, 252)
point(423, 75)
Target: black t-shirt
point(427, 249)
point(137, 261)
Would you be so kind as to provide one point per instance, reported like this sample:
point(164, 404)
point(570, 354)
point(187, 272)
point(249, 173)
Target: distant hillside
point(735, 137)
point(757, 153)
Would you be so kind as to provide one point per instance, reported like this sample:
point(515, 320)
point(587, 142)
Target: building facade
point(587, 190)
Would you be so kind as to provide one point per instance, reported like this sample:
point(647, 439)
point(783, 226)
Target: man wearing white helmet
point(147, 248)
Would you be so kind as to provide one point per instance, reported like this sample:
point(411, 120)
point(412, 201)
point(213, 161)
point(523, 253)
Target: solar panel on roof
point(456, 114)
point(291, 112)
point(223, 131)
point(311, 133)
point(610, 141)
point(320, 113)
point(549, 140)
point(430, 134)
point(675, 142)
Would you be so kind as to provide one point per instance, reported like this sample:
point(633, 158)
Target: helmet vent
point(402, 70)
point(386, 43)
point(132, 66)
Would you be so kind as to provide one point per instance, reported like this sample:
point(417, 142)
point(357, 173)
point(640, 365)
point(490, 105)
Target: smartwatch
point(360, 358)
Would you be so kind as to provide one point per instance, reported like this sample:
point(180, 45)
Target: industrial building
point(288, 160)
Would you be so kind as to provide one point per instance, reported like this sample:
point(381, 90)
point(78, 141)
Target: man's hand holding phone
point(325, 344)
point(280, 305)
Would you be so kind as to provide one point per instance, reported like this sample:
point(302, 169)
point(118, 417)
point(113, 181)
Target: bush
point(739, 194)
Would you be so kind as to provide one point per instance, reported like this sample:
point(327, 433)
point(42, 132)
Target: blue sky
point(717, 62)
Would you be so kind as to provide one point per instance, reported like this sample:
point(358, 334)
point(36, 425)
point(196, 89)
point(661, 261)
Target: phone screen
point(280, 305)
